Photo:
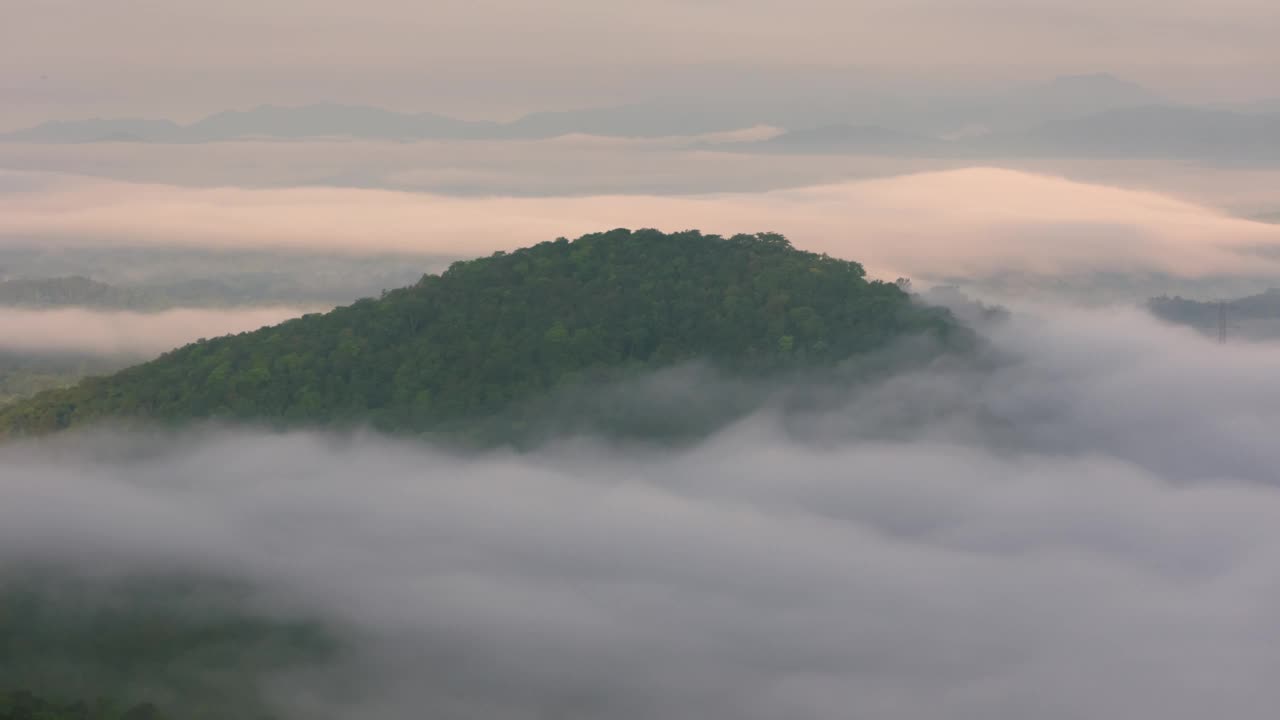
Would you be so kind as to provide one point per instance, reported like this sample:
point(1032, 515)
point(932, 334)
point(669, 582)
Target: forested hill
point(492, 333)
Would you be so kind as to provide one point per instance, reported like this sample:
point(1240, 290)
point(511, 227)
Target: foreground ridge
point(491, 333)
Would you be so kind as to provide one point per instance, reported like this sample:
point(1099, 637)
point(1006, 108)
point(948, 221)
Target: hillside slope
point(493, 332)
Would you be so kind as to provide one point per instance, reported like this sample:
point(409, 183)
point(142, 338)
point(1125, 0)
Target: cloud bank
point(136, 334)
point(963, 222)
point(578, 165)
point(1086, 531)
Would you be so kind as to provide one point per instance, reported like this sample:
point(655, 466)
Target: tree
point(493, 333)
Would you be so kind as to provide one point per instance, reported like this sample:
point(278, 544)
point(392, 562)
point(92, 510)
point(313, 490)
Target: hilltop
point(496, 333)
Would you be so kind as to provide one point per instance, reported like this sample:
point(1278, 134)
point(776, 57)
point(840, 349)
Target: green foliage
point(491, 333)
point(24, 705)
point(190, 646)
point(16, 384)
point(25, 374)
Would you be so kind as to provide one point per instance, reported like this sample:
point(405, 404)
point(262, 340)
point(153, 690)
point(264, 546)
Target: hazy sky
point(182, 58)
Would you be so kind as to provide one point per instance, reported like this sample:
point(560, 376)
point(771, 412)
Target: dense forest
point(492, 333)
point(142, 647)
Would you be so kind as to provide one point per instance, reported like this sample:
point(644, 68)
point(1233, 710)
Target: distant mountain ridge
point(1081, 115)
point(364, 122)
point(1169, 131)
point(98, 129)
point(869, 139)
point(1020, 107)
point(318, 120)
point(1153, 130)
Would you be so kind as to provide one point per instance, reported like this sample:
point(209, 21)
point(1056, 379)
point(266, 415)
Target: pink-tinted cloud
point(971, 221)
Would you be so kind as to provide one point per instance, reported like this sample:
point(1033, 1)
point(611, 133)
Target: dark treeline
point(1255, 317)
point(143, 648)
point(1205, 312)
point(70, 290)
point(24, 705)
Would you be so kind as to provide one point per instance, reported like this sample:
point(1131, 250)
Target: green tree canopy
point(496, 331)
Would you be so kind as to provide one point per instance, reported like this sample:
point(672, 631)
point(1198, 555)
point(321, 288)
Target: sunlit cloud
point(971, 221)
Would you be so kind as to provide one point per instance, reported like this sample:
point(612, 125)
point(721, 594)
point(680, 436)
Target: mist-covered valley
point(1078, 525)
point(1068, 516)
point(515, 361)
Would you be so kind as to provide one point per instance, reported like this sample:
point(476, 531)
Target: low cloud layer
point(962, 222)
point(579, 166)
point(1086, 531)
point(136, 334)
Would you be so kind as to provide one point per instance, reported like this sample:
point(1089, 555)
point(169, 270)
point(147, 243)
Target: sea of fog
point(1086, 527)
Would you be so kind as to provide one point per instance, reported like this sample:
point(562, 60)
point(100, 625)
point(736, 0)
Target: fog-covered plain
point(120, 333)
point(298, 222)
point(590, 165)
point(1084, 526)
point(967, 222)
